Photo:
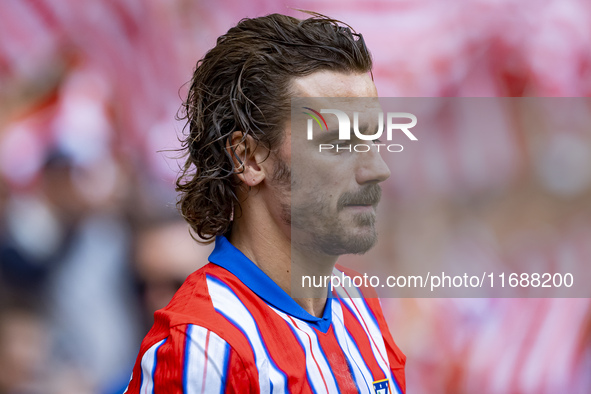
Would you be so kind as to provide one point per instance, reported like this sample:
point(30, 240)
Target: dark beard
point(282, 180)
point(331, 236)
point(335, 241)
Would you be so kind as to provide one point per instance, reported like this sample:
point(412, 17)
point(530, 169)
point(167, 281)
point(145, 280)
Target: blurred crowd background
point(91, 243)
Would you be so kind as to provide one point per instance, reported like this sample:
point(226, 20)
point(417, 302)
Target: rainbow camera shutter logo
point(315, 117)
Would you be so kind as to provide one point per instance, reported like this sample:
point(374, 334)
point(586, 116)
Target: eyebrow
point(330, 134)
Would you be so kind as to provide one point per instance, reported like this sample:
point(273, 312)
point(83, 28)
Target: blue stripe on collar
point(229, 257)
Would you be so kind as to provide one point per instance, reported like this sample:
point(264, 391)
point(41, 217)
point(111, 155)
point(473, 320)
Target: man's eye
point(377, 141)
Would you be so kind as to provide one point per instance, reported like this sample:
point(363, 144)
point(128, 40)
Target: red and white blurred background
point(91, 244)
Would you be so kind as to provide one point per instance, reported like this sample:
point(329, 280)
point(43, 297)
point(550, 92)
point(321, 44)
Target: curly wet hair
point(243, 84)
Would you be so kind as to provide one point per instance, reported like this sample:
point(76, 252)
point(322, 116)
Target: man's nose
point(371, 167)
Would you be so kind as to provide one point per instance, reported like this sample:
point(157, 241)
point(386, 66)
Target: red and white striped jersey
point(231, 329)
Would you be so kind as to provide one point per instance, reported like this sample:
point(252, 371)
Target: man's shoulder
point(192, 303)
point(193, 354)
point(192, 312)
point(212, 298)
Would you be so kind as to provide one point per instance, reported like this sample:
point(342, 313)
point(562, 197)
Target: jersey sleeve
point(191, 359)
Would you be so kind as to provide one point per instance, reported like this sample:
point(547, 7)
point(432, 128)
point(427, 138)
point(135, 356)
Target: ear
point(247, 156)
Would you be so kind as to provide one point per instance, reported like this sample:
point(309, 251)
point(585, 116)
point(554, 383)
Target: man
point(234, 327)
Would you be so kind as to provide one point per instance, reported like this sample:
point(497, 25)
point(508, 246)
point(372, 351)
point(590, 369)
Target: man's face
point(333, 195)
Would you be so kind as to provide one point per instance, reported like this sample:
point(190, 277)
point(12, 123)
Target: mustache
point(368, 195)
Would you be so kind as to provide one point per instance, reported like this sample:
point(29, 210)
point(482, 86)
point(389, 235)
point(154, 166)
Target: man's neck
point(271, 250)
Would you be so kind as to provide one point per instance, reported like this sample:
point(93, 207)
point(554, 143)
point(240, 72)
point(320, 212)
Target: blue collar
point(229, 257)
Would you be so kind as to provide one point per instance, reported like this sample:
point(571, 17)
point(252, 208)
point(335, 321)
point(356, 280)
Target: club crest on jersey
point(382, 386)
